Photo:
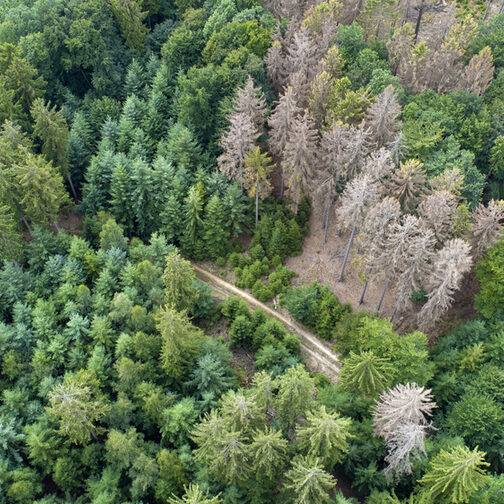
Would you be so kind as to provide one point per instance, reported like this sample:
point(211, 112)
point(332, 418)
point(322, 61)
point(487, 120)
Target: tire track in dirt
point(318, 356)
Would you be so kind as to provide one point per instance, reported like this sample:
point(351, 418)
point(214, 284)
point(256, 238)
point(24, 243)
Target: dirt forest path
point(318, 356)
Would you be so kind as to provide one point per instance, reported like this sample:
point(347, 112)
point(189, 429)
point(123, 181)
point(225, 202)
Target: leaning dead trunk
point(361, 300)
point(347, 253)
point(383, 292)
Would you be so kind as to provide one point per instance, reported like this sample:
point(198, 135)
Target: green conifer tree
point(215, 234)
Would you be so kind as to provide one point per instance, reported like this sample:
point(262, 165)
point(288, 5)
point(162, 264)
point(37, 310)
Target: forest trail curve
point(318, 356)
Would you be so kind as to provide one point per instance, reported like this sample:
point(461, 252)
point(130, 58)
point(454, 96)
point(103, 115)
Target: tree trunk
point(70, 182)
point(489, 2)
point(282, 184)
point(419, 19)
point(347, 253)
point(324, 217)
point(395, 311)
point(257, 207)
point(57, 227)
point(27, 225)
point(361, 300)
point(501, 8)
point(326, 227)
point(383, 293)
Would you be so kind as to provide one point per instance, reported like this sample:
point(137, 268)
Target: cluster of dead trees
point(347, 151)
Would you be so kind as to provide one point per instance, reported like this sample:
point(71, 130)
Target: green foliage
point(489, 271)
point(452, 477)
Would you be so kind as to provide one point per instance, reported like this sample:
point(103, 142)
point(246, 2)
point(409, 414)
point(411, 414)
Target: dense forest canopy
point(139, 137)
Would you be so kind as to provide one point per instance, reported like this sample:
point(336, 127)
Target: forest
point(140, 138)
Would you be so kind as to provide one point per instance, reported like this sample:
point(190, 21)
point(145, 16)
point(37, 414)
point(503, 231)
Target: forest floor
point(322, 262)
point(318, 356)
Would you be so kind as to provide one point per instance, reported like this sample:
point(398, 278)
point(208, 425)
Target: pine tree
point(324, 436)
point(193, 219)
point(365, 374)
point(309, 481)
point(10, 238)
point(454, 476)
point(299, 156)
point(449, 266)
point(360, 194)
point(258, 167)
point(120, 192)
point(268, 453)
point(178, 278)
point(487, 226)
point(97, 186)
point(52, 130)
point(296, 392)
point(193, 495)
point(40, 189)
point(142, 196)
point(281, 122)
point(215, 234)
point(129, 17)
point(235, 210)
point(381, 117)
point(78, 406)
point(179, 342)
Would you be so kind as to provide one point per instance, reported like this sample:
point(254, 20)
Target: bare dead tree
point(408, 403)
point(275, 64)
point(414, 268)
point(388, 263)
point(376, 227)
point(360, 194)
point(357, 149)
point(237, 142)
point(280, 123)
point(379, 165)
point(487, 223)
point(333, 168)
point(438, 212)
point(449, 266)
point(478, 73)
point(404, 445)
point(381, 117)
point(299, 156)
point(250, 101)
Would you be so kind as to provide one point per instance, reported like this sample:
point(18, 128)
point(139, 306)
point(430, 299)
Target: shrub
point(257, 252)
point(301, 302)
point(221, 262)
point(240, 334)
point(262, 292)
point(233, 307)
